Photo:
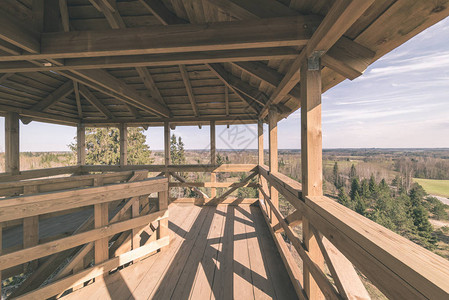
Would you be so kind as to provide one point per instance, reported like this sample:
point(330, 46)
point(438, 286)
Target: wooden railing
point(395, 265)
point(109, 240)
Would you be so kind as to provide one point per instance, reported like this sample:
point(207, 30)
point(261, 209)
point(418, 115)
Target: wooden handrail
point(29, 174)
point(174, 168)
point(397, 266)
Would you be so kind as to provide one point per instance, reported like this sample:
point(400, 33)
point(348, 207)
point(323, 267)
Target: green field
point(434, 187)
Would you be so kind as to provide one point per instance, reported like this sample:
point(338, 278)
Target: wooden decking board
point(216, 252)
point(262, 284)
point(272, 258)
point(150, 283)
point(205, 274)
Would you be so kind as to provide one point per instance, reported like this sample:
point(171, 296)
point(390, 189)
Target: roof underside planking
point(143, 62)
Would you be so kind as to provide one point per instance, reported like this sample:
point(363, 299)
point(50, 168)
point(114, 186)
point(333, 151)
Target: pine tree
point(360, 205)
point(364, 189)
point(103, 146)
point(353, 172)
point(343, 198)
point(355, 188)
point(373, 186)
point(336, 176)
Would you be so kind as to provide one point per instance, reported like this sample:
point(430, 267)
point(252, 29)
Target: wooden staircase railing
point(395, 265)
point(131, 215)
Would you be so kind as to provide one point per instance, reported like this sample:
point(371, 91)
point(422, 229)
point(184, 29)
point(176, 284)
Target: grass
point(434, 187)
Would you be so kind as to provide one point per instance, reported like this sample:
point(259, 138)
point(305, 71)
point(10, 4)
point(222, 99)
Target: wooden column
point(30, 227)
point(162, 230)
point(101, 218)
point(273, 151)
point(12, 149)
point(167, 146)
point(81, 144)
point(123, 145)
point(260, 142)
point(213, 158)
point(311, 160)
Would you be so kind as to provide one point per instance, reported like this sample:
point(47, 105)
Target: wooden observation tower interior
point(99, 232)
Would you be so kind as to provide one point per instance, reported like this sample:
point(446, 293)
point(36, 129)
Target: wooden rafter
point(188, 86)
point(89, 96)
point(5, 76)
point(17, 34)
point(266, 74)
point(149, 83)
point(64, 15)
point(104, 82)
point(60, 93)
point(340, 17)
point(161, 12)
point(78, 99)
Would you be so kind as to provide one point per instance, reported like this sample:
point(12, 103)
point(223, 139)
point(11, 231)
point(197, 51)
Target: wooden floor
point(223, 252)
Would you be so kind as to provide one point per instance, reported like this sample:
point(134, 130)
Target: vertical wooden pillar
point(273, 151)
point(101, 218)
point(311, 161)
point(12, 148)
point(167, 147)
point(162, 230)
point(123, 145)
point(260, 160)
point(30, 226)
point(81, 144)
point(213, 158)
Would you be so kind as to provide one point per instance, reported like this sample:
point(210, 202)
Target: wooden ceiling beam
point(149, 83)
point(64, 15)
point(59, 94)
point(225, 77)
point(340, 17)
point(161, 12)
point(114, 87)
point(266, 74)
point(348, 58)
point(40, 116)
point(78, 99)
point(18, 34)
point(89, 96)
point(188, 86)
point(263, 33)
point(154, 60)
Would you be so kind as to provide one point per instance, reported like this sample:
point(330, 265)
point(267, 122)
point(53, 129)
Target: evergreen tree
point(343, 198)
point(336, 176)
point(353, 172)
point(373, 186)
point(355, 188)
point(103, 146)
point(360, 205)
point(364, 189)
point(417, 194)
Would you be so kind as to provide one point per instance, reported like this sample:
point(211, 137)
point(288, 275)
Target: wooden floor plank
point(151, 282)
point(204, 277)
point(263, 288)
point(283, 288)
point(121, 284)
point(223, 278)
point(242, 277)
point(223, 252)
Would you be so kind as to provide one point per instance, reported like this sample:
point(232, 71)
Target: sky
point(401, 101)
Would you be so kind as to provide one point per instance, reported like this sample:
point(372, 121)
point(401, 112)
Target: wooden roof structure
point(143, 62)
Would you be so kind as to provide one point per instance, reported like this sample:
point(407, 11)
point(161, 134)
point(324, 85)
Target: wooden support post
point(81, 144)
point(135, 212)
point(101, 218)
point(260, 158)
point(162, 230)
point(273, 152)
point(167, 147)
point(311, 160)
point(123, 145)
point(12, 149)
point(213, 158)
point(1, 247)
point(30, 227)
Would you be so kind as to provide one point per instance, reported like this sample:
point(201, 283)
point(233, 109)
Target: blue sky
point(402, 101)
